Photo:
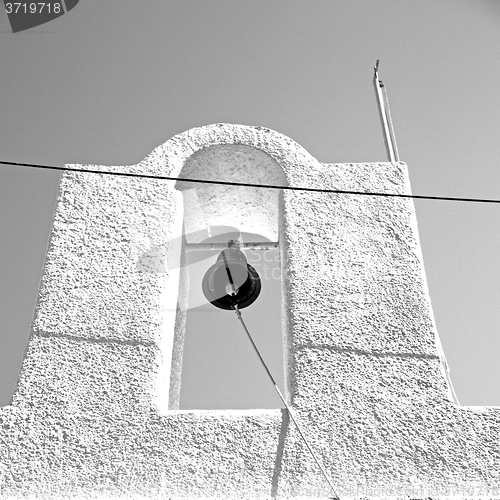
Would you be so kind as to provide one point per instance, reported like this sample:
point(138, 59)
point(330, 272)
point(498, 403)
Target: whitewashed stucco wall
point(367, 376)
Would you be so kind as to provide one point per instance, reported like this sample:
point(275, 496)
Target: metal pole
point(389, 122)
point(257, 245)
point(385, 117)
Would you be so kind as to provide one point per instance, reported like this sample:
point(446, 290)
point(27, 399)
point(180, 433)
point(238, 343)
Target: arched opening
point(214, 365)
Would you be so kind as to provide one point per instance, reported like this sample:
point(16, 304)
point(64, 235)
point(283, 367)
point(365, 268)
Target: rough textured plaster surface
point(368, 378)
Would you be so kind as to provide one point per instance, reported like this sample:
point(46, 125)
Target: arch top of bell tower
point(169, 157)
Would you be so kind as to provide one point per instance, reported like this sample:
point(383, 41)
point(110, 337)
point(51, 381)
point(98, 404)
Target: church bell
point(231, 280)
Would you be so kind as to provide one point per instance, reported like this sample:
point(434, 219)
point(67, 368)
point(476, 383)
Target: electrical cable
point(265, 186)
point(292, 416)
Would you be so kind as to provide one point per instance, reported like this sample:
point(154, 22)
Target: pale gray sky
point(111, 80)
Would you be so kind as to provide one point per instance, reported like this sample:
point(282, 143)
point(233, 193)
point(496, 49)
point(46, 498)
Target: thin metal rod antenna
point(292, 416)
point(385, 117)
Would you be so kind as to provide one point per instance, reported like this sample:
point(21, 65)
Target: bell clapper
point(231, 280)
point(230, 288)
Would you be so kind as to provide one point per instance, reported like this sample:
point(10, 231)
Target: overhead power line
point(246, 184)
